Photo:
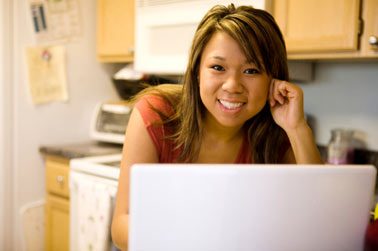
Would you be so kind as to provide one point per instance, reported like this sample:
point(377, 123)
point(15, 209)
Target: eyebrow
point(218, 57)
point(224, 59)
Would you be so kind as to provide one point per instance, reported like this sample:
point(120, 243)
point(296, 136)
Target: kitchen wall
point(5, 128)
point(344, 94)
point(55, 123)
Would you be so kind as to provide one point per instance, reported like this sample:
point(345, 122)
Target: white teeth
point(230, 105)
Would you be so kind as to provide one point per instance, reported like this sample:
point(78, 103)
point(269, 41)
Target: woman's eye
point(251, 71)
point(217, 67)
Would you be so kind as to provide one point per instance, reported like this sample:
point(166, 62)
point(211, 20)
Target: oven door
point(92, 200)
point(93, 186)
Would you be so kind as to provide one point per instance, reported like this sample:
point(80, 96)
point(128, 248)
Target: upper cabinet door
point(319, 25)
point(115, 30)
point(369, 38)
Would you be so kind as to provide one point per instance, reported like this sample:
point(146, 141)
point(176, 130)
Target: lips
point(231, 105)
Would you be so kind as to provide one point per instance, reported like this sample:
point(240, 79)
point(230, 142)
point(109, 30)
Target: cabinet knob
point(60, 179)
point(131, 50)
point(373, 40)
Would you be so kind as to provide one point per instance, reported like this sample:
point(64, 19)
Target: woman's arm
point(304, 147)
point(138, 148)
point(286, 104)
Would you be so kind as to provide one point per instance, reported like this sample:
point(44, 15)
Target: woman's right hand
point(286, 104)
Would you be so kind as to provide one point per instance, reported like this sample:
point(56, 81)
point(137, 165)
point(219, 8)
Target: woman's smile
point(230, 105)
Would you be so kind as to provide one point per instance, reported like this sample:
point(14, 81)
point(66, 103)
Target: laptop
point(223, 207)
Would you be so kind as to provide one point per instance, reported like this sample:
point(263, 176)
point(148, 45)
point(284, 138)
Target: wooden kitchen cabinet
point(115, 30)
point(57, 219)
point(57, 214)
point(323, 29)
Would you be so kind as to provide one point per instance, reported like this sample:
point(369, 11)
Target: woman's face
point(232, 89)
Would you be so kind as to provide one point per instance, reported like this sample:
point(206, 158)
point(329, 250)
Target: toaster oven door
point(110, 122)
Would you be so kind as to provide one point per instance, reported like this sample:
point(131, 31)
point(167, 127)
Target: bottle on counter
point(340, 147)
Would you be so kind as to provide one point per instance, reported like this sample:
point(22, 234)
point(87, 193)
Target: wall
point(344, 94)
point(6, 111)
point(2, 146)
point(54, 123)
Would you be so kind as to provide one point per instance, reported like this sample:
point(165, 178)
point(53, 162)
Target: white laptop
point(216, 207)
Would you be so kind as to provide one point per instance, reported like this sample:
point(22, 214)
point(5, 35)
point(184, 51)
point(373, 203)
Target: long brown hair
point(262, 42)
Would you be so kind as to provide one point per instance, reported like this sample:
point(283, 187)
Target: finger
point(283, 90)
point(290, 91)
point(278, 91)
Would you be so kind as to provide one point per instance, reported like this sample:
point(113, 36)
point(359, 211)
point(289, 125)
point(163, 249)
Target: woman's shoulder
point(161, 98)
point(155, 111)
point(154, 107)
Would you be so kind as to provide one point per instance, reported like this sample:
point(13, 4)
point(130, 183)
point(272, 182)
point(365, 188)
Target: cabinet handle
point(60, 179)
point(373, 40)
point(131, 50)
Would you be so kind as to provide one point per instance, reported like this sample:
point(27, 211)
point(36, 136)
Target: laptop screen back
point(249, 207)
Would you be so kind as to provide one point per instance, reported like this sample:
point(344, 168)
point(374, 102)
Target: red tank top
point(166, 147)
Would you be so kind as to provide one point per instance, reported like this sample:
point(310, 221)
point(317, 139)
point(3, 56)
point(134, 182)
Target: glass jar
point(340, 148)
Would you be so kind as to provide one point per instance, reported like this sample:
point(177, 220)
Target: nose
point(233, 84)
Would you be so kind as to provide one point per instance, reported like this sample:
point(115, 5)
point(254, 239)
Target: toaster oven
point(109, 121)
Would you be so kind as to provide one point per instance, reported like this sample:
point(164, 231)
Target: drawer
point(57, 174)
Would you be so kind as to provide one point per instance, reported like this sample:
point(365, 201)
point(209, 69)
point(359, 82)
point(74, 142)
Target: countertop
point(81, 150)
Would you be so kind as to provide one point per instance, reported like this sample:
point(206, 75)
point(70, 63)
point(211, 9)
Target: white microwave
point(164, 31)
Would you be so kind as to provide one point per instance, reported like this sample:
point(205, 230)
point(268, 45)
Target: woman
point(235, 105)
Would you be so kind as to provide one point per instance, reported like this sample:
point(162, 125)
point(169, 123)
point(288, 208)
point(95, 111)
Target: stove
point(94, 179)
point(105, 166)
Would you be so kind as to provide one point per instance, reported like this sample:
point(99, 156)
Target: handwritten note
point(47, 74)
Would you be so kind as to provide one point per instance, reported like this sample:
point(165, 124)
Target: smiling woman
point(235, 105)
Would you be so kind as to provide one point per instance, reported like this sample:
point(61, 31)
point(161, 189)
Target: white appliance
point(109, 121)
point(164, 31)
point(93, 188)
point(93, 181)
